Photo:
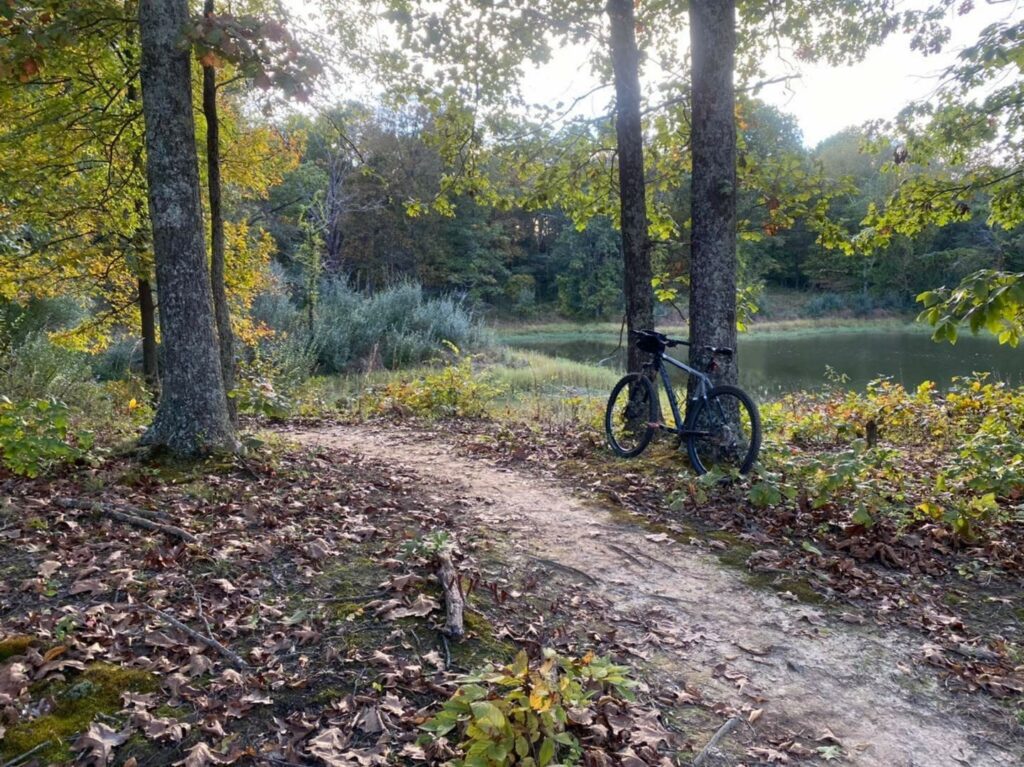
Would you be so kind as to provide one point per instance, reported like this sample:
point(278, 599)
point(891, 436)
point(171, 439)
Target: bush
point(37, 369)
point(825, 304)
point(527, 713)
point(34, 435)
point(453, 391)
point(904, 457)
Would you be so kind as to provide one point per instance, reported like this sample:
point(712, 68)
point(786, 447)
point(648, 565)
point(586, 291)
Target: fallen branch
point(724, 730)
point(130, 519)
point(22, 757)
point(454, 603)
point(209, 641)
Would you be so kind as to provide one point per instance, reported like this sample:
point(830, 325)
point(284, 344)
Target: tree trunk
point(147, 307)
point(636, 244)
point(147, 312)
point(192, 416)
point(713, 201)
point(220, 296)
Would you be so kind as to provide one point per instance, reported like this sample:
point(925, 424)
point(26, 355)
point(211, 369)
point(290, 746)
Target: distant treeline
point(350, 196)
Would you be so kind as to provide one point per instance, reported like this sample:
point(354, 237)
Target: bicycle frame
point(700, 390)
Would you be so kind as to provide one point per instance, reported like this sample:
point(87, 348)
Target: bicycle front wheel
point(724, 431)
point(629, 421)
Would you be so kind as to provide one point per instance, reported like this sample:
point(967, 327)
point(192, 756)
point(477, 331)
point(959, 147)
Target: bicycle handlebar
point(725, 351)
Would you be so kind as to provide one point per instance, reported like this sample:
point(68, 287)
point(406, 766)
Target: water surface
point(785, 361)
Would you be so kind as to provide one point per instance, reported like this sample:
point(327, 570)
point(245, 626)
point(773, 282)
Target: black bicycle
point(722, 428)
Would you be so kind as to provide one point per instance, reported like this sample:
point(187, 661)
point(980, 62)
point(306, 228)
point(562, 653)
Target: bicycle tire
point(694, 441)
point(649, 418)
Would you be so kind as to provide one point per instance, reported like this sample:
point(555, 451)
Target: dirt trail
point(816, 672)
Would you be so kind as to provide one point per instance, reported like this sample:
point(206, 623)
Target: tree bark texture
point(713, 196)
point(147, 313)
point(221, 311)
point(636, 244)
point(192, 416)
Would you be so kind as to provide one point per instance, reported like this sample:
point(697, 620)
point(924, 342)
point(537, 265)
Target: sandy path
point(817, 673)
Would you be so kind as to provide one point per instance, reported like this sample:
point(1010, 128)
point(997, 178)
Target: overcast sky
point(827, 99)
point(824, 99)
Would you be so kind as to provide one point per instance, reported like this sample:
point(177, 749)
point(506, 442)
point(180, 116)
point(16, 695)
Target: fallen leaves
point(98, 744)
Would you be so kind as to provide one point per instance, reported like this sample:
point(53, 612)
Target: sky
point(824, 99)
point(827, 99)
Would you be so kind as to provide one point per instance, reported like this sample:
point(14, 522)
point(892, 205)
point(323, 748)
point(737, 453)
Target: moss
point(77, 702)
point(328, 695)
point(801, 588)
point(953, 598)
point(15, 645)
point(736, 555)
point(345, 610)
point(480, 645)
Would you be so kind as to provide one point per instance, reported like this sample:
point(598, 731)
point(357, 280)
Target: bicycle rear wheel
point(629, 421)
point(724, 431)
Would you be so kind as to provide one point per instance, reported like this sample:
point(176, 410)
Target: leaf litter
point(303, 569)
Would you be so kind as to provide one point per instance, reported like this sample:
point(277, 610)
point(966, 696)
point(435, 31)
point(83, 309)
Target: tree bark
point(147, 306)
point(713, 196)
point(220, 296)
point(192, 416)
point(636, 244)
point(147, 313)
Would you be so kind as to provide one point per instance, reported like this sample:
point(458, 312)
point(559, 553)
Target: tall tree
point(629, 134)
point(713, 195)
point(222, 314)
point(192, 415)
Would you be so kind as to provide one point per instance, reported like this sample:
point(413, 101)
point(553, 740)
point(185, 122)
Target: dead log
point(454, 602)
point(129, 519)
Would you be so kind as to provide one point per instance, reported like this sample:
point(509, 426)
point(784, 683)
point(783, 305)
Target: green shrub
point(392, 328)
point(525, 713)
point(825, 304)
point(35, 368)
point(34, 436)
point(956, 458)
point(455, 390)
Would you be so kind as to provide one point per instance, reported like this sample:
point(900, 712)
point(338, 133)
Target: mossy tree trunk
point(636, 243)
point(713, 195)
point(192, 415)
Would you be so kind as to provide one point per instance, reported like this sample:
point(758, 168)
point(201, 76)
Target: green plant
point(955, 458)
point(34, 435)
point(524, 713)
point(456, 390)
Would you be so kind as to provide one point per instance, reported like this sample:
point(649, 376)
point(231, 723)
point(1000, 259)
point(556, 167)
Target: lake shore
point(510, 333)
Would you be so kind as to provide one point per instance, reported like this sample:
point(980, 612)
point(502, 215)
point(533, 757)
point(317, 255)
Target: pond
point(773, 363)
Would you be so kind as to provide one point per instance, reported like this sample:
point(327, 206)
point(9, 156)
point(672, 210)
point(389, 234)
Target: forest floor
point(284, 610)
point(813, 681)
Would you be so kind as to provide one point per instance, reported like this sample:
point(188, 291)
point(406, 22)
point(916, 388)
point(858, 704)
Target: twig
point(22, 757)
point(566, 568)
point(209, 641)
point(454, 603)
point(724, 730)
point(130, 519)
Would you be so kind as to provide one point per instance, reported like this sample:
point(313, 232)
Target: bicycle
point(722, 427)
